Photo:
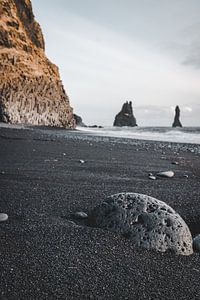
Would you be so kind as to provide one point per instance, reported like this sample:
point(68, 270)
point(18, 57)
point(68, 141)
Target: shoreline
point(46, 254)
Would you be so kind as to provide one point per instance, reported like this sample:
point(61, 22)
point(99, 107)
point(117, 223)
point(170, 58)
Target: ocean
point(189, 135)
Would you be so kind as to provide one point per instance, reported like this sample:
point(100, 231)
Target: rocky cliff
point(177, 122)
point(125, 117)
point(30, 87)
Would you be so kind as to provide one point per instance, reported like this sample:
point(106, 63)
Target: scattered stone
point(3, 217)
point(64, 154)
point(186, 176)
point(81, 161)
point(148, 222)
point(150, 174)
point(196, 243)
point(175, 163)
point(80, 215)
point(152, 177)
point(166, 174)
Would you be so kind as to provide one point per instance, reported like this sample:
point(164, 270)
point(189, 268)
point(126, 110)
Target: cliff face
point(125, 117)
point(30, 87)
point(177, 122)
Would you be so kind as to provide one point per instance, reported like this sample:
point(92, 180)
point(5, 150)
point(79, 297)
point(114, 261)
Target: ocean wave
point(189, 135)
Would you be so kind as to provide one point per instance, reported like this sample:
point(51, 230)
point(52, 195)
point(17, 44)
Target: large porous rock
point(31, 91)
point(125, 117)
point(177, 122)
point(148, 222)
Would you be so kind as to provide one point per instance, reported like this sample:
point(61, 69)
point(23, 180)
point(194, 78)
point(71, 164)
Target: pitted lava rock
point(148, 222)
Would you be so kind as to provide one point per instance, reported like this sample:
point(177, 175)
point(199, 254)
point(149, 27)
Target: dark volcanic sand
point(43, 255)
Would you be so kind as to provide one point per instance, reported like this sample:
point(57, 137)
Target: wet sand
point(46, 254)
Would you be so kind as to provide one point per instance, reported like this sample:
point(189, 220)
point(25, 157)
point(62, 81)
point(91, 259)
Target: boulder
point(177, 122)
point(148, 222)
point(31, 91)
point(125, 117)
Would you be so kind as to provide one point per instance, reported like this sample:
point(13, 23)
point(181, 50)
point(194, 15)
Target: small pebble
point(64, 154)
point(166, 174)
point(186, 176)
point(80, 215)
point(81, 161)
point(150, 174)
point(152, 177)
point(196, 243)
point(3, 217)
point(175, 163)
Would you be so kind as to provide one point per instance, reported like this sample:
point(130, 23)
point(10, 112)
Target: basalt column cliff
point(31, 91)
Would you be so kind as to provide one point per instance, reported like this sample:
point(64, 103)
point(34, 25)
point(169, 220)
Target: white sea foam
point(167, 134)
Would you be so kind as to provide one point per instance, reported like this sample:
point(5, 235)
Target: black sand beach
point(45, 255)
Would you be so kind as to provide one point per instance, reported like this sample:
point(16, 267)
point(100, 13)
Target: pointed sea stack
point(125, 117)
point(31, 91)
point(177, 122)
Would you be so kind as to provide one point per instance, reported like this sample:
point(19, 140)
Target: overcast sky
point(110, 51)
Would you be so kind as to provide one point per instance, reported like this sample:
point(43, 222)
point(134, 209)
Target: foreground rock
point(125, 117)
point(30, 87)
point(148, 222)
point(177, 122)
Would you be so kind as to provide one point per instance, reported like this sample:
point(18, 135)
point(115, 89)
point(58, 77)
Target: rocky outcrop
point(31, 91)
point(148, 222)
point(79, 121)
point(177, 122)
point(125, 117)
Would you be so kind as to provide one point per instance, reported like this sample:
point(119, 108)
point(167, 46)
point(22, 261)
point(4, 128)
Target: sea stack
point(125, 117)
point(177, 122)
point(31, 91)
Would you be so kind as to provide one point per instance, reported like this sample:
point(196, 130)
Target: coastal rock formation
point(125, 117)
point(148, 222)
point(31, 91)
point(79, 121)
point(177, 122)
